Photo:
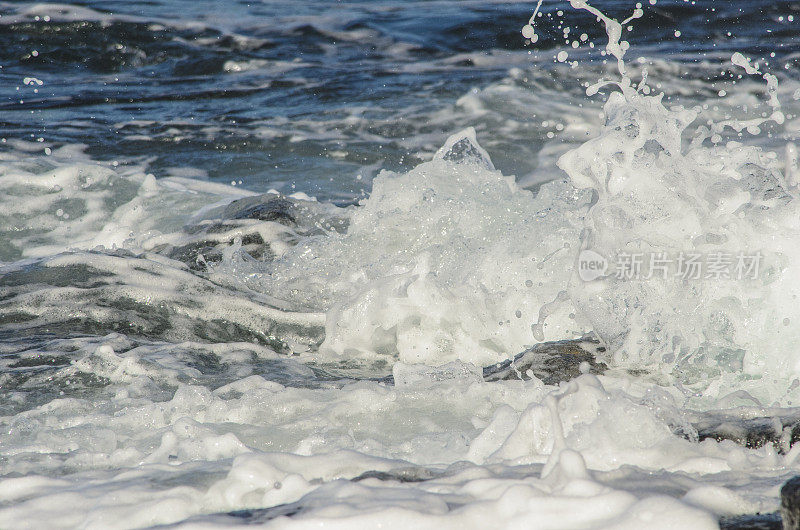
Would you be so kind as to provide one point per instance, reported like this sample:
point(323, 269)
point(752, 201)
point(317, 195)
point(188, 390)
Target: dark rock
point(249, 517)
point(265, 207)
point(750, 432)
point(262, 515)
point(406, 474)
point(790, 504)
point(768, 521)
point(552, 362)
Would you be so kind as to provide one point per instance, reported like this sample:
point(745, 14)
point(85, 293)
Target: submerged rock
point(258, 227)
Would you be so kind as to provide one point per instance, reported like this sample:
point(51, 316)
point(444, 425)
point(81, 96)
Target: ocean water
point(430, 264)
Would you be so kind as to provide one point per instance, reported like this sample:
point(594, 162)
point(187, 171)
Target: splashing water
point(448, 261)
point(661, 204)
point(183, 352)
point(452, 261)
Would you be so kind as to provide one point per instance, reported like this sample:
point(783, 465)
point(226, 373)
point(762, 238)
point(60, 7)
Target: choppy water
point(256, 268)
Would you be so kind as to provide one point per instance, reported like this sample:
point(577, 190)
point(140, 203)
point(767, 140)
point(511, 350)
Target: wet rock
point(267, 207)
point(769, 521)
point(199, 253)
point(249, 517)
point(780, 431)
point(405, 474)
point(552, 362)
point(262, 515)
point(752, 433)
point(790, 504)
point(245, 225)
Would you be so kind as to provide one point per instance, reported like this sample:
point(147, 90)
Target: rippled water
point(314, 263)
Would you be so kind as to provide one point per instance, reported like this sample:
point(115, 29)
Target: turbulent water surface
point(398, 263)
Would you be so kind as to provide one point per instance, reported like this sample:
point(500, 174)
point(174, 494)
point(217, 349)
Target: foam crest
point(65, 201)
point(660, 201)
point(448, 261)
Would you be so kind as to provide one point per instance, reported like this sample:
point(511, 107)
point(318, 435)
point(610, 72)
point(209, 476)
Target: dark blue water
point(315, 94)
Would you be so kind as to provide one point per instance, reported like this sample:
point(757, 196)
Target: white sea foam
point(448, 261)
point(659, 197)
point(254, 443)
point(441, 270)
